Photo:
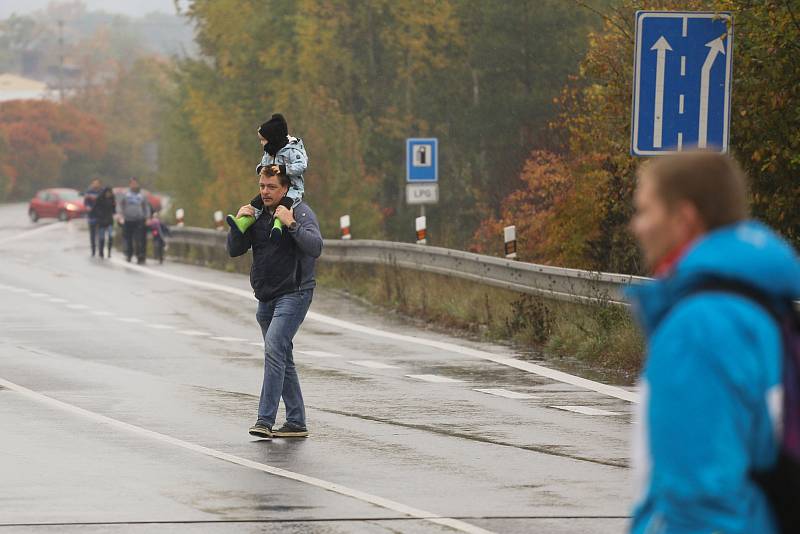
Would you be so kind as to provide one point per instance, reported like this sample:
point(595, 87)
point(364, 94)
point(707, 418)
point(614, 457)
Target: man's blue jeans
point(280, 319)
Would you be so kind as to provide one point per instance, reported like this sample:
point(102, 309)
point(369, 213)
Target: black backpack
point(781, 484)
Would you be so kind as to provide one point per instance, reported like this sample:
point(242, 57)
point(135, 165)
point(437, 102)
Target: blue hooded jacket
point(711, 386)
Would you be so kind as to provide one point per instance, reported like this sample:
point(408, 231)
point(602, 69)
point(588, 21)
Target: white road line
point(195, 333)
point(680, 141)
point(500, 392)
point(223, 338)
point(586, 410)
point(160, 326)
point(546, 372)
point(129, 320)
point(680, 105)
point(244, 462)
point(27, 233)
point(317, 353)
point(261, 344)
point(77, 306)
point(373, 365)
point(683, 65)
point(685, 26)
point(40, 295)
point(434, 378)
point(57, 300)
point(102, 313)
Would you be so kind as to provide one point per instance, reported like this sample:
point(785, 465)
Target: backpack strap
point(748, 291)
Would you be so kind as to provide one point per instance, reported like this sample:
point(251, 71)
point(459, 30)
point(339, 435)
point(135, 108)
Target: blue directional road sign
point(681, 82)
point(422, 160)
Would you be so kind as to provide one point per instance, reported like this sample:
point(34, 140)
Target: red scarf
point(667, 265)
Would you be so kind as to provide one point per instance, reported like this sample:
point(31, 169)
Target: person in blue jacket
point(711, 384)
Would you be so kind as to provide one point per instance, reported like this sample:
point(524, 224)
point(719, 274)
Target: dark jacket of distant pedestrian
point(105, 206)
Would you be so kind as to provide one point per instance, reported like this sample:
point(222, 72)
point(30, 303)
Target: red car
point(152, 198)
point(65, 204)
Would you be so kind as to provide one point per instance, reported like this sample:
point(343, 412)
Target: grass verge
point(603, 334)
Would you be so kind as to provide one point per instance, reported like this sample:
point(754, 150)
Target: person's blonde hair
point(714, 183)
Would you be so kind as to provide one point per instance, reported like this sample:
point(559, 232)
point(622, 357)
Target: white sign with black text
point(422, 193)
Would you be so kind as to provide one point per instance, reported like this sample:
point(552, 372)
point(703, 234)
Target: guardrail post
point(179, 213)
point(219, 218)
point(510, 238)
point(344, 223)
point(422, 235)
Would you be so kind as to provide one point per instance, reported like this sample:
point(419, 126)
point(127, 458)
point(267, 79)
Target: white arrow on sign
point(661, 48)
point(716, 47)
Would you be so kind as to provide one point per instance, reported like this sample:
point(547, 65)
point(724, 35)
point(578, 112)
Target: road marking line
point(685, 26)
point(102, 313)
point(586, 410)
point(77, 306)
point(244, 462)
point(223, 338)
point(57, 300)
point(500, 392)
point(23, 235)
point(318, 353)
point(261, 344)
point(40, 295)
point(195, 333)
point(546, 372)
point(680, 104)
point(683, 65)
point(373, 365)
point(434, 378)
point(129, 320)
point(160, 326)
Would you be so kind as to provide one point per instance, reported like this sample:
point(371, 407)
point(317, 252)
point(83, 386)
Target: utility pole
point(61, 61)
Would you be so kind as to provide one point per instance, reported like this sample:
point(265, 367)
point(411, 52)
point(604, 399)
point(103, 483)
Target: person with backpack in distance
point(135, 210)
point(718, 444)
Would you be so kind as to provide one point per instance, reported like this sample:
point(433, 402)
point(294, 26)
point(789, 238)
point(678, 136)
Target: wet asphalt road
point(125, 399)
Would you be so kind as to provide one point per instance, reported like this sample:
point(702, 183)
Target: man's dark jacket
point(284, 266)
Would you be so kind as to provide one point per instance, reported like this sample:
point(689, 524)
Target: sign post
point(681, 82)
point(422, 172)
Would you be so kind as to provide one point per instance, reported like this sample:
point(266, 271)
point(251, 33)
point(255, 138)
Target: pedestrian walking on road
point(90, 201)
point(135, 210)
point(711, 387)
point(283, 280)
point(105, 207)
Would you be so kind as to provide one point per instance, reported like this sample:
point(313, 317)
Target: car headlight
point(71, 207)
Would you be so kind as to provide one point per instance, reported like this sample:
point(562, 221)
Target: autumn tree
point(595, 125)
point(48, 144)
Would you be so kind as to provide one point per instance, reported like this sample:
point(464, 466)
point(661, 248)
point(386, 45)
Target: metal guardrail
point(559, 283)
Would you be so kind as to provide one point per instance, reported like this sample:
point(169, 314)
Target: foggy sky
point(133, 8)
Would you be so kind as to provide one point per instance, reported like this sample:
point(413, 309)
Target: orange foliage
point(40, 137)
point(555, 213)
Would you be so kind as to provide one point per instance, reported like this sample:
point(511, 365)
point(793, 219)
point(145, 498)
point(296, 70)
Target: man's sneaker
point(291, 431)
point(261, 430)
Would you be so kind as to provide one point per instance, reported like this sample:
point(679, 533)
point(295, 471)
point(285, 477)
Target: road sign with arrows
point(681, 82)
